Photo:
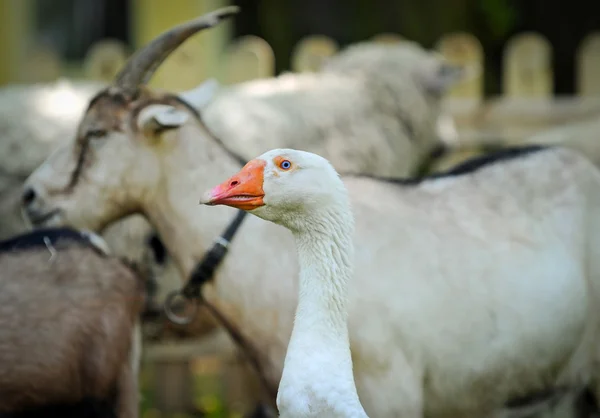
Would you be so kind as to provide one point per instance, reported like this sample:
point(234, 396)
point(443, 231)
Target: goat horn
point(140, 68)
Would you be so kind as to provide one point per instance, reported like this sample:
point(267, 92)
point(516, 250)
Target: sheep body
point(581, 136)
point(372, 109)
point(70, 315)
point(38, 118)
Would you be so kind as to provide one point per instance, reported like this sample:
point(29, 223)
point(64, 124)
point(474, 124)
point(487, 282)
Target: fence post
point(465, 50)
point(199, 57)
point(16, 30)
point(248, 58)
point(388, 38)
point(588, 66)
point(310, 53)
point(43, 65)
point(527, 70)
point(173, 385)
point(104, 60)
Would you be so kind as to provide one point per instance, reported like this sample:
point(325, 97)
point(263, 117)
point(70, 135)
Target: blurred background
point(536, 66)
point(62, 33)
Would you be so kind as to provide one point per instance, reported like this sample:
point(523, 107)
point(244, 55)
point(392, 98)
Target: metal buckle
point(168, 306)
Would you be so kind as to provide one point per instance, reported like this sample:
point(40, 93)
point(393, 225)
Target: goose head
point(282, 186)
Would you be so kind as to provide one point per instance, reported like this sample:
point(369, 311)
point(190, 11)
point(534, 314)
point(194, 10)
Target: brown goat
point(68, 314)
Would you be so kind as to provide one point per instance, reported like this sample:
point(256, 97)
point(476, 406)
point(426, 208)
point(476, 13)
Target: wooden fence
point(526, 105)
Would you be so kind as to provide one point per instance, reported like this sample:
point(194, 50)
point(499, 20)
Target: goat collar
point(205, 271)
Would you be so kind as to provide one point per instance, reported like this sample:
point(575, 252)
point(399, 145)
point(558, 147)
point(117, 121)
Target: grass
point(207, 396)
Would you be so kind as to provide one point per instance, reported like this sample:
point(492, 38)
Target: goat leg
point(127, 394)
point(128, 391)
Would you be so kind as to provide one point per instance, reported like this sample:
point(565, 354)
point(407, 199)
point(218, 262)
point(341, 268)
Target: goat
point(48, 114)
point(454, 274)
point(69, 338)
point(35, 120)
point(371, 109)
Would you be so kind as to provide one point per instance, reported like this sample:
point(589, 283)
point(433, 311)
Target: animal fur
point(70, 316)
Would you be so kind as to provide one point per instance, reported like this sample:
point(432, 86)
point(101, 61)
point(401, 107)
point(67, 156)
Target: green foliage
point(207, 398)
point(500, 16)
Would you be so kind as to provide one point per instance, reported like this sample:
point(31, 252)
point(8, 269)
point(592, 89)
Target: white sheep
point(583, 136)
point(373, 108)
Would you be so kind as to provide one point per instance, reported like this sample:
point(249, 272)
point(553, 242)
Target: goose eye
point(285, 165)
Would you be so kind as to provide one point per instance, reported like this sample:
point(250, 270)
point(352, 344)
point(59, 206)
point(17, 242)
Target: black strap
point(205, 269)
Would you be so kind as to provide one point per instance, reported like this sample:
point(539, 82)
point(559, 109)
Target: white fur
point(582, 136)
point(372, 109)
point(135, 354)
point(468, 290)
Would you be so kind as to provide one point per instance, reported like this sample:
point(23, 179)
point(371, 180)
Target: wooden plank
point(310, 53)
point(199, 57)
point(16, 31)
point(104, 60)
point(388, 38)
point(528, 67)
point(44, 65)
point(215, 343)
point(249, 58)
point(174, 365)
point(465, 50)
point(242, 387)
point(173, 386)
point(588, 66)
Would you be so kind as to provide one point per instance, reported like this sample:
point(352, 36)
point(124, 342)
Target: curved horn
point(143, 64)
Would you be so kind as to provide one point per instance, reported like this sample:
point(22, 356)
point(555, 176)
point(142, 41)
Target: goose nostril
point(234, 183)
point(28, 197)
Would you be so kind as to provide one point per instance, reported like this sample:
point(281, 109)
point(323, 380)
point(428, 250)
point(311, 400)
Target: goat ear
point(201, 95)
point(157, 118)
point(440, 78)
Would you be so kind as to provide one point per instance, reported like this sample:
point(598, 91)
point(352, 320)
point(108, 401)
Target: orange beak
point(243, 191)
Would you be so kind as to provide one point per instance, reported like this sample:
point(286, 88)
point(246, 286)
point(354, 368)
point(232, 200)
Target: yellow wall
point(198, 58)
point(15, 31)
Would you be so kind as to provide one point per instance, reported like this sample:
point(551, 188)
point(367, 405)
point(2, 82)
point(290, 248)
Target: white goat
point(454, 277)
point(35, 120)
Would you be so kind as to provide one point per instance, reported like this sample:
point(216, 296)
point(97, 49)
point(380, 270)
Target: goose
point(302, 192)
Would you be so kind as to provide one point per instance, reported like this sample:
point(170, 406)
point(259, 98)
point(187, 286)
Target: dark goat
point(68, 314)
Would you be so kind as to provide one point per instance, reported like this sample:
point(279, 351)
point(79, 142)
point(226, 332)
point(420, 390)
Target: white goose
point(302, 192)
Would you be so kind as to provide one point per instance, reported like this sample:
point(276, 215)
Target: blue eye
point(285, 164)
